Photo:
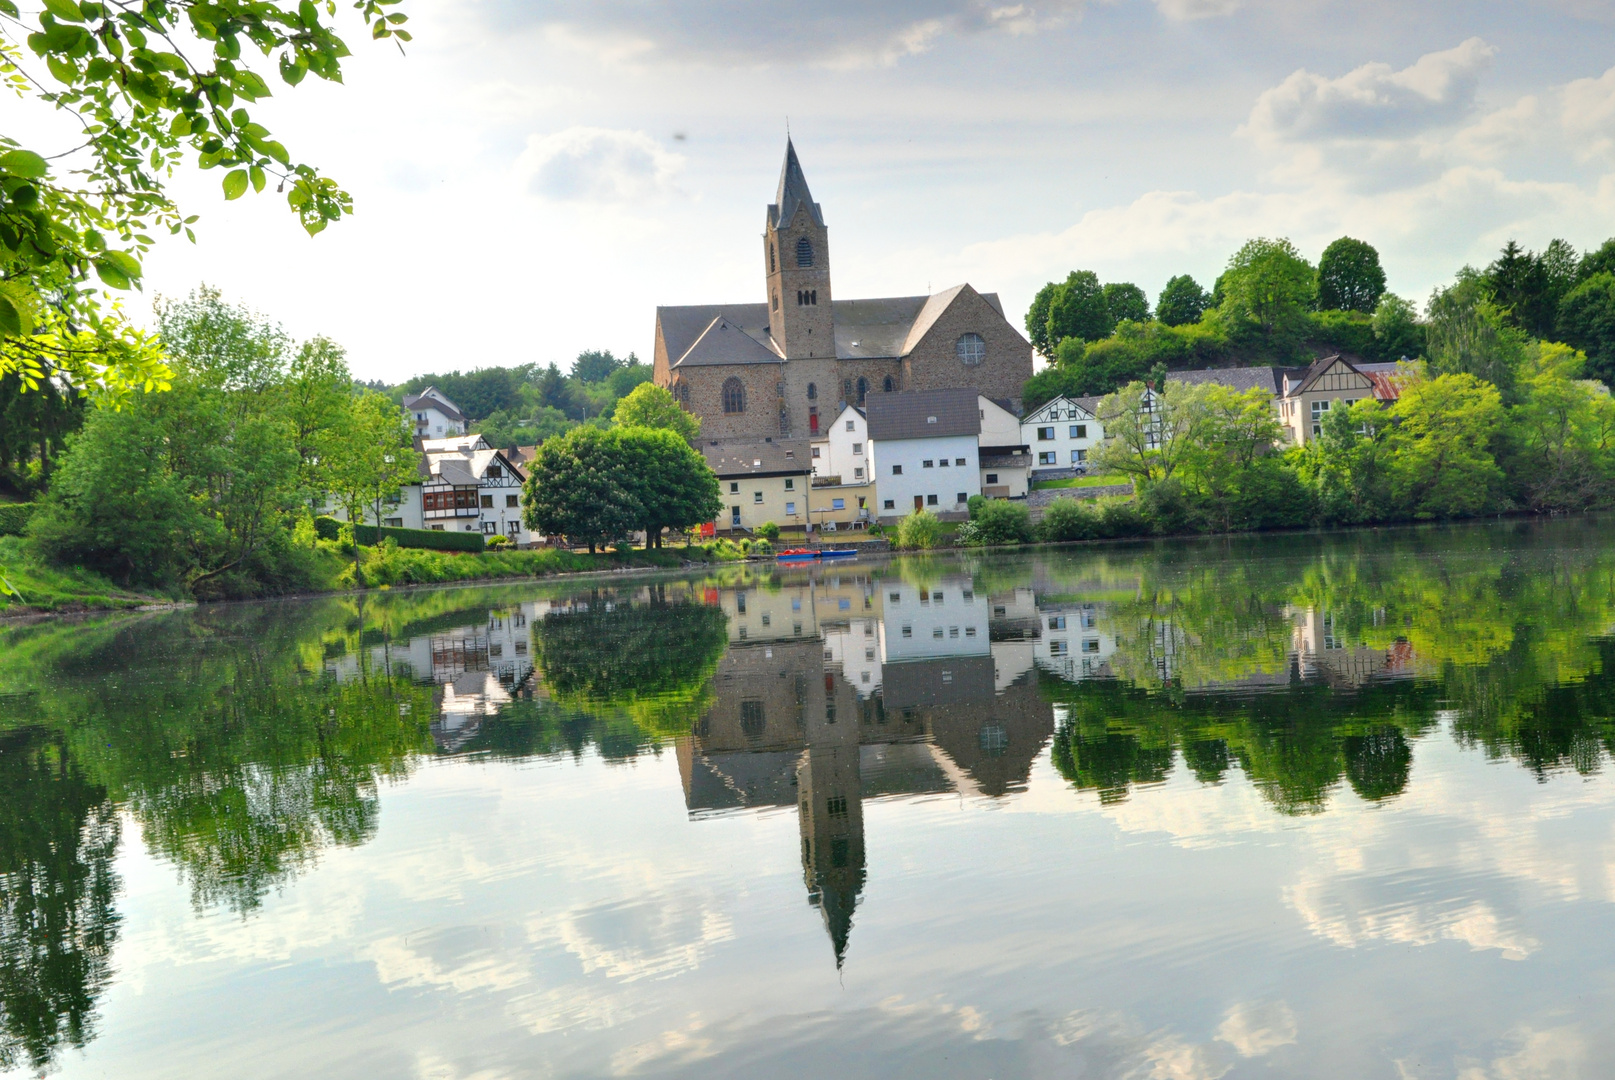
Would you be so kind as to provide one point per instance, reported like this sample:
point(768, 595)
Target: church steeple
point(796, 252)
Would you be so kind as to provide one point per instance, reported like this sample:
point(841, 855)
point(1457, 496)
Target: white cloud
point(1374, 100)
point(598, 165)
point(1183, 10)
point(1556, 1054)
point(1258, 1029)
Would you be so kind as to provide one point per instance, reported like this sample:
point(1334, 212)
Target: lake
point(1324, 806)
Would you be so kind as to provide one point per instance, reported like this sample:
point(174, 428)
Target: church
point(784, 368)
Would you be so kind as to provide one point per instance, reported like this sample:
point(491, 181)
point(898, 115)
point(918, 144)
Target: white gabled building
point(432, 415)
point(1004, 458)
point(1061, 435)
point(844, 449)
point(470, 487)
point(923, 451)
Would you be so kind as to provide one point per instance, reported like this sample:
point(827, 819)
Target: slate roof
point(923, 414)
point(758, 457)
point(723, 342)
point(1270, 379)
point(793, 192)
point(433, 397)
point(879, 328)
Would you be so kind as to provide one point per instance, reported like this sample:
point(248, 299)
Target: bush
point(768, 531)
point(1069, 519)
point(1001, 522)
point(330, 528)
point(1119, 517)
point(975, 504)
point(762, 547)
point(496, 542)
point(14, 518)
point(919, 531)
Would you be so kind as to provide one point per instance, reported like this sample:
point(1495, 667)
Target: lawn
point(1080, 482)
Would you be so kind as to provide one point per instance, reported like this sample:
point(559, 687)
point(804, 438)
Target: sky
point(531, 179)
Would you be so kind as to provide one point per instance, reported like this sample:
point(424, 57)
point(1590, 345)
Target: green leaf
point(257, 176)
point(108, 272)
point(24, 163)
point(11, 317)
point(124, 262)
point(235, 183)
point(8, 8)
point(65, 10)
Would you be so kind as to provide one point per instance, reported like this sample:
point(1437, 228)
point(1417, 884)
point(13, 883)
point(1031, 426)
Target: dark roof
point(793, 192)
point(878, 328)
point(1011, 460)
point(1270, 379)
point(923, 414)
point(759, 457)
point(723, 342)
point(434, 397)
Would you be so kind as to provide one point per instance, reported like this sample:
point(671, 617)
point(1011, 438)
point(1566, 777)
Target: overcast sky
point(533, 178)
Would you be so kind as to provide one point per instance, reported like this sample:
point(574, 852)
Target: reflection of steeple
point(832, 822)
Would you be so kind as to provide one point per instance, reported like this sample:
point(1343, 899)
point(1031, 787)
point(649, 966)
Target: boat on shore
point(810, 554)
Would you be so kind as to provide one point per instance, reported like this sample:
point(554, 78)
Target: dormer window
point(804, 252)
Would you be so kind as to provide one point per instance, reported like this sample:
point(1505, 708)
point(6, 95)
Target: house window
point(487, 502)
point(394, 523)
point(863, 389)
point(1079, 431)
point(1047, 457)
point(927, 464)
point(897, 470)
point(930, 500)
point(734, 488)
point(846, 388)
point(1044, 434)
point(815, 451)
point(495, 471)
point(889, 505)
point(734, 517)
point(1078, 457)
point(790, 509)
point(1057, 648)
point(838, 504)
point(790, 483)
point(770, 258)
point(943, 463)
point(511, 500)
point(992, 478)
point(972, 350)
point(756, 496)
point(1090, 645)
point(961, 497)
point(1056, 622)
point(858, 474)
point(804, 252)
point(857, 447)
point(752, 721)
point(959, 461)
point(488, 527)
point(734, 396)
point(937, 632)
point(1318, 409)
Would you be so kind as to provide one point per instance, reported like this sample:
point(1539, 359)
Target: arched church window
point(813, 391)
point(776, 301)
point(971, 348)
point(734, 396)
point(804, 252)
point(846, 388)
point(888, 385)
point(863, 388)
point(770, 258)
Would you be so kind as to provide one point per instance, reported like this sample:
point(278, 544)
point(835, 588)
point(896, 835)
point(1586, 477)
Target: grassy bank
point(1079, 482)
point(54, 589)
point(387, 564)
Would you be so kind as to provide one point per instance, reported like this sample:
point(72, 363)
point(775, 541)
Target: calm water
point(1325, 807)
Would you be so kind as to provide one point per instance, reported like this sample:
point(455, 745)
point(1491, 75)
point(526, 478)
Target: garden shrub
point(1069, 519)
point(768, 531)
point(1000, 522)
point(14, 518)
point(918, 531)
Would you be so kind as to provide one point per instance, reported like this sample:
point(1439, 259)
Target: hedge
point(329, 528)
point(14, 517)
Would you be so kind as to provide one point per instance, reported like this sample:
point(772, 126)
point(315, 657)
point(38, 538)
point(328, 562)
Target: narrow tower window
point(770, 258)
point(734, 396)
point(863, 389)
point(888, 385)
point(804, 252)
point(813, 391)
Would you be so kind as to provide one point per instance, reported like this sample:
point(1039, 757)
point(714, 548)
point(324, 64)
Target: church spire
point(793, 192)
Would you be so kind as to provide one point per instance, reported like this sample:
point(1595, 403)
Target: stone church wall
point(934, 363)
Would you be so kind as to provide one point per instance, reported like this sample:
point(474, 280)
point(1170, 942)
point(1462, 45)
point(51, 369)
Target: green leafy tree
point(150, 86)
point(622, 381)
point(1564, 430)
point(1396, 327)
point(1125, 301)
point(1350, 277)
point(1347, 464)
point(1078, 310)
point(576, 488)
point(1268, 287)
point(1037, 319)
point(317, 390)
point(596, 365)
point(1527, 287)
point(1467, 334)
point(652, 406)
point(479, 393)
point(1441, 460)
point(1182, 301)
point(1148, 433)
point(667, 480)
point(919, 531)
point(369, 459)
point(1601, 261)
point(1587, 321)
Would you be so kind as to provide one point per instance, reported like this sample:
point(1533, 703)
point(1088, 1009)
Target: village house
point(760, 481)
point(1303, 396)
point(924, 452)
point(1061, 435)
point(1004, 457)
point(462, 485)
point(782, 367)
point(433, 415)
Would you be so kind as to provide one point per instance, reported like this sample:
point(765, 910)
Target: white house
point(923, 451)
point(1061, 435)
point(433, 415)
point(844, 449)
point(471, 487)
point(1004, 458)
point(946, 618)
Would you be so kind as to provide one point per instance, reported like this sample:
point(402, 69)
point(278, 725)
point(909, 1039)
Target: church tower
point(796, 251)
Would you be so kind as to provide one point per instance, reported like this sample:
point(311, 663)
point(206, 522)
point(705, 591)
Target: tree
point(1347, 464)
point(1601, 261)
point(1587, 321)
point(1349, 276)
point(1147, 433)
point(1268, 286)
point(1126, 301)
point(1037, 319)
point(1078, 310)
point(1564, 431)
point(317, 392)
point(146, 100)
point(1466, 334)
point(1441, 462)
point(479, 392)
point(576, 488)
point(595, 365)
point(667, 480)
point(369, 458)
point(652, 406)
point(1182, 301)
point(1396, 327)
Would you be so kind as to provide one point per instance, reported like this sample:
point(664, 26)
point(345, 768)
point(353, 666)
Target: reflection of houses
point(1322, 654)
point(824, 701)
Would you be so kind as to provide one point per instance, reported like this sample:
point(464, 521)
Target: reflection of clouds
point(1255, 1029)
point(430, 1066)
point(637, 939)
point(1353, 910)
point(1116, 1045)
point(969, 1019)
point(678, 1046)
point(1194, 815)
point(458, 958)
point(1557, 1054)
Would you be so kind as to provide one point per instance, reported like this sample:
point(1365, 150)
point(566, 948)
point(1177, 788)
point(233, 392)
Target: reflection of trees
point(58, 837)
point(653, 660)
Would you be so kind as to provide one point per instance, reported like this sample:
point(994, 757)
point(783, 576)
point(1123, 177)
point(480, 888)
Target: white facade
point(938, 474)
point(434, 416)
point(945, 619)
point(1001, 430)
point(472, 488)
point(999, 426)
point(1062, 435)
point(844, 451)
